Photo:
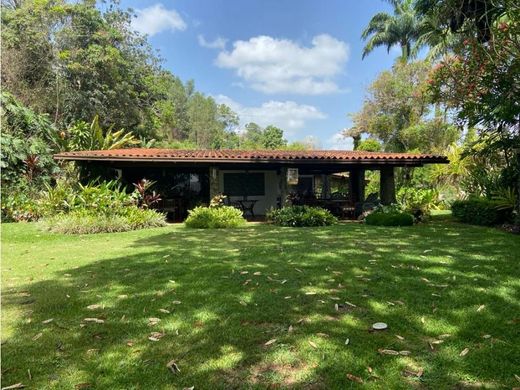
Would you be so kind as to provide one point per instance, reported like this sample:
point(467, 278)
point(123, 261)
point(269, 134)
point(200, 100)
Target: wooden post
point(284, 187)
point(325, 186)
point(357, 185)
point(213, 182)
point(387, 185)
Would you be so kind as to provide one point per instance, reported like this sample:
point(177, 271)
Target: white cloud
point(288, 115)
point(217, 43)
point(156, 19)
point(272, 65)
point(339, 142)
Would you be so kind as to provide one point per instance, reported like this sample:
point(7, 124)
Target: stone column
point(284, 187)
point(387, 185)
point(357, 185)
point(213, 182)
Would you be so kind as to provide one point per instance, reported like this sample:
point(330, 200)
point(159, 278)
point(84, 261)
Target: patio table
point(248, 206)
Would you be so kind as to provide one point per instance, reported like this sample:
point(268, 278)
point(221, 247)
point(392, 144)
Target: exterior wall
point(272, 192)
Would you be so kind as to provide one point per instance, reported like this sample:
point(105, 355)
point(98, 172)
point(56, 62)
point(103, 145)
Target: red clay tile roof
point(177, 155)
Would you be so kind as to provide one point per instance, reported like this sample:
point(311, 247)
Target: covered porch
point(255, 181)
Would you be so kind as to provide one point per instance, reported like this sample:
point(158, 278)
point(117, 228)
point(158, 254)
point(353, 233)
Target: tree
point(273, 138)
point(401, 28)
point(397, 112)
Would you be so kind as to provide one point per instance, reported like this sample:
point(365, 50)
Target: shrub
point(299, 216)
point(418, 200)
point(393, 218)
point(480, 211)
point(83, 221)
point(214, 217)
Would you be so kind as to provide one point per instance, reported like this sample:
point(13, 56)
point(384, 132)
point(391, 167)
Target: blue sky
point(292, 63)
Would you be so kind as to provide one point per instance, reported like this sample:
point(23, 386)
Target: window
point(244, 184)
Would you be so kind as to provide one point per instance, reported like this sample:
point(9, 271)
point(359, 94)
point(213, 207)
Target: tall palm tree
point(402, 28)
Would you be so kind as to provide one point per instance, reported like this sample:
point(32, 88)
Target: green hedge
point(480, 211)
point(214, 217)
point(389, 219)
point(299, 216)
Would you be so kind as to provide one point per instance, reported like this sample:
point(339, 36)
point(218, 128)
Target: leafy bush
point(18, 205)
point(82, 221)
point(418, 200)
point(214, 217)
point(480, 211)
point(392, 218)
point(299, 216)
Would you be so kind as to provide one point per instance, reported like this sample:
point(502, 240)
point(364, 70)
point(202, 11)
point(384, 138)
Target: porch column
point(387, 185)
point(284, 187)
point(213, 182)
point(325, 184)
point(357, 185)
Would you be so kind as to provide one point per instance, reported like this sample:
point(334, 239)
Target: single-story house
point(256, 180)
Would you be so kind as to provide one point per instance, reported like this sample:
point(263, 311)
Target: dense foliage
point(480, 211)
point(301, 216)
point(214, 217)
point(389, 216)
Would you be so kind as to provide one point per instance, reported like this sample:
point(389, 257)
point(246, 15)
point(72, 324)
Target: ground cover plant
point(263, 306)
point(215, 217)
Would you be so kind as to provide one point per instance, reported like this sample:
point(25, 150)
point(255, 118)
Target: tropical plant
point(84, 136)
point(400, 29)
point(145, 199)
point(214, 217)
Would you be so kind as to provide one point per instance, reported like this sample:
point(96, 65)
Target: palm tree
point(402, 28)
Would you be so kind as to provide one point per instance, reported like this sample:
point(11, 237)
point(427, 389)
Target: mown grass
point(441, 287)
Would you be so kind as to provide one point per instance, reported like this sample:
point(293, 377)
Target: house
point(256, 180)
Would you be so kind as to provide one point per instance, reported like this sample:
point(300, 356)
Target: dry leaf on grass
point(272, 341)
point(387, 352)
point(354, 378)
point(310, 293)
point(15, 386)
point(257, 273)
point(417, 373)
point(404, 353)
point(290, 329)
point(155, 336)
point(517, 378)
point(322, 334)
point(48, 321)
point(172, 366)
point(80, 386)
point(486, 336)
point(153, 321)
point(399, 337)
point(37, 336)
point(347, 341)
point(164, 311)
point(464, 352)
point(313, 344)
point(94, 307)
point(96, 320)
point(481, 307)
point(176, 302)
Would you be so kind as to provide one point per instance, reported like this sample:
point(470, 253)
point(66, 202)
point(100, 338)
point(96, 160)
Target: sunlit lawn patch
point(213, 302)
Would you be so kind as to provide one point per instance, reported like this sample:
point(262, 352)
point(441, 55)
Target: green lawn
point(222, 295)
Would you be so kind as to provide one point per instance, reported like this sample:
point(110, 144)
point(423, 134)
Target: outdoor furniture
point(247, 206)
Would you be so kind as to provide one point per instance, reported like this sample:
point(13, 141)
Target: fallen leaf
point(172, 366)
point(272, 341)
point(313, 344)
point(257, 273)
point(243, 303)
point(130, 343)
point(122, 296)
point(15, 386)
point(517, 378)
point(444, 336)
point(399, 337)
point(176, 302)
point(153, 321)
point(94, 307)
point(290, 329)
point(350, 304)
point(37, 336)
point(322, 334)
point(464, 352)
point(387, 352)
point(486, 336)
point(299, 270)
point(155, 336)
point(310, 293)
point(96, 320)
point(48, 321)
point(164, 311)
point(481, 307)
point(244, 272)
point(423, 320)
point(417, 373)
point(404, 353)
point(354, 378)
point(347, 341)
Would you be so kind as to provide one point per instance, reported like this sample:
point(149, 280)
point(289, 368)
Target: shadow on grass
point(221, 295)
